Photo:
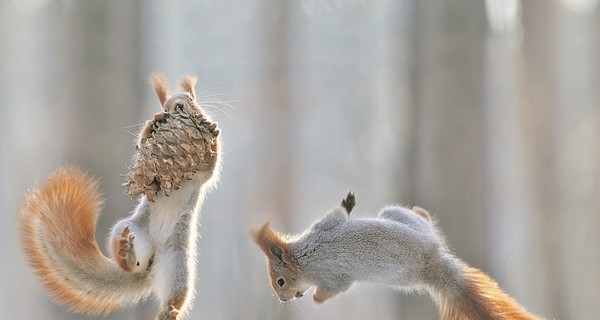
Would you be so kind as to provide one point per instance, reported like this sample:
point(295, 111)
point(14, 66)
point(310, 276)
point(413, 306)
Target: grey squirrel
point(401, 248)
point(153, 250)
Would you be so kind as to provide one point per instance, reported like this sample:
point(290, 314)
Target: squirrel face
point(286, 281)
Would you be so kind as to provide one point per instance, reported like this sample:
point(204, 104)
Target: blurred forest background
point(487, 113)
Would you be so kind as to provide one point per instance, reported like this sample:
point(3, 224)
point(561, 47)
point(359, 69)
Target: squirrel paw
point(148, 127)
point(170, 314)
point(125, 255)
point(213, 128)
point(318, 299)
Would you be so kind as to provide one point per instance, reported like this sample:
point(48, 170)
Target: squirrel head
point(285, 277)
point(185, 100)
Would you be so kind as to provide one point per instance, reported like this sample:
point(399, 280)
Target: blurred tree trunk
point(511, 166)
point(449, 136)
point(539, 123)
point(86, 92)
point(100, 91)
point(275, 150)
point(277, 153)
point(23, 67)
point(576, 72)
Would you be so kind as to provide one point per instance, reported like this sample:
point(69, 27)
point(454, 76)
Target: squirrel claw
point(147, 130)
point(213, 128)
point(158, 116)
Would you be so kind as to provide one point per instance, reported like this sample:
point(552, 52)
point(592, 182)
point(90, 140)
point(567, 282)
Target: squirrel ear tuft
point(259, 233)
point(188, 84)
point(264, 237)
point(349, 202)
point(272, 244)
point(161, 87)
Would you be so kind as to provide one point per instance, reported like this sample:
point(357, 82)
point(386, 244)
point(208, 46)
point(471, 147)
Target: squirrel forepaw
point(211, 158)
point(214, 129)
point(148, 127)
point(318, 299)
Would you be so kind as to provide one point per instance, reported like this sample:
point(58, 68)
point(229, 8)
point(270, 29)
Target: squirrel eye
point(179, 106)
point(280, 282)
point(138, 263)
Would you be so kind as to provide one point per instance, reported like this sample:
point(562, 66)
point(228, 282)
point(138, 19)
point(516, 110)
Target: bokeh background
point(487, 113)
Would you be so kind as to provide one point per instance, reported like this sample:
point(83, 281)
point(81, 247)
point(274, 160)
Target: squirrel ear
point(349, 202)
point(283, 255)
point(264, 237)
point(276, 251)
point(188, 83)
point(159, 83)
point(272, 244)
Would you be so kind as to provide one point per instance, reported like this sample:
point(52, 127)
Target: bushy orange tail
point(481, 299)
point(57, 224)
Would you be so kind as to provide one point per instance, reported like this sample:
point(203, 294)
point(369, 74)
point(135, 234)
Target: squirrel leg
point(422, 212)
point(147, 129)
point(175, 275)
point(323, 293)
point(407, 217)
point(173, 283)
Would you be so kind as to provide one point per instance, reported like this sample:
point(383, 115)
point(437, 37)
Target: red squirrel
point(153, 250)
point(401, 248)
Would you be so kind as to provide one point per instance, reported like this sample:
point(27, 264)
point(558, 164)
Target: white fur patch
point(166, 212)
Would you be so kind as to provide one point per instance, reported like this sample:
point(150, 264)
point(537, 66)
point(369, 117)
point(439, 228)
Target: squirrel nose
point(299, 294)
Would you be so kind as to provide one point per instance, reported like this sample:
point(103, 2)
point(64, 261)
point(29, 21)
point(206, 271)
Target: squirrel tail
point(58, 224)
point(480, 297)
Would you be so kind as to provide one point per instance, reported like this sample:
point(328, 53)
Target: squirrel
point(401, 248)
point(153, 251)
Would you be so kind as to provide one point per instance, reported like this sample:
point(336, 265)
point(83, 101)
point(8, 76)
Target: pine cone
point(179, 145)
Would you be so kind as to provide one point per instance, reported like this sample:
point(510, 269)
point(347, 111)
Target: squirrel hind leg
point(422, 212)
point(405, 216)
